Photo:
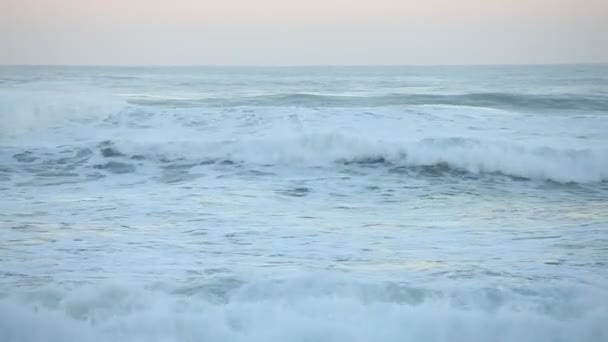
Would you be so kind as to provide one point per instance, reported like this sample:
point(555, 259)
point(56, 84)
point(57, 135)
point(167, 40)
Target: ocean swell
point(511, 101)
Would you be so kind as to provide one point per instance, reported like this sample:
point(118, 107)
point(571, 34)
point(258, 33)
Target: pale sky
point(302, 32)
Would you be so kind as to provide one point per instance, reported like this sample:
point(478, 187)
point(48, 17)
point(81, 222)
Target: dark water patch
point(512, 177)
point(440, 167)
point(179, 166)
point(388, 193)
point(83, 153)
point(22, 227)
point(439, 170)
point(212, 271)
point(196, 232)
point(25, 157)
point(119, 77)
point(227, 162)
point(57, 174)
point(79, 157)
point(95, 176)
point(257, 173)
point(343, 207)
point(370, 160)
point(4, 178)
point(116, 167)
point(537, 237)
point(351, 172)
point(400, 170)
point(60, 161)
point(337, 194)
point(108, 150)
point(570, 246)
point(34, 163)
point(553, 262)
point(296, 192)
point(167, 160)
point(599, 188)
point(178, 177)
point(51, 181)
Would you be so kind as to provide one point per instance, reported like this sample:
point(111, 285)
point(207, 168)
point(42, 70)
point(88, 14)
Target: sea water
point(304, 204)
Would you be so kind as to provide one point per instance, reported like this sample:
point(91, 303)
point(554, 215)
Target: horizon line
point(291, 65)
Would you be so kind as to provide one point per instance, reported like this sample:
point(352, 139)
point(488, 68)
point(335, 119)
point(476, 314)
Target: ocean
point(325, 204)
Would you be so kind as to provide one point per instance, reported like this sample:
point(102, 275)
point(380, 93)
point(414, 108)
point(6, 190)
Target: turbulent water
point(304, 204)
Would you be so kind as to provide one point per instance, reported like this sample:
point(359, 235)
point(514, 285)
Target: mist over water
point(304, 204)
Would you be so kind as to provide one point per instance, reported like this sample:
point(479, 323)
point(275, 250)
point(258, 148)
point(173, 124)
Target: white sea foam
point(304, 310)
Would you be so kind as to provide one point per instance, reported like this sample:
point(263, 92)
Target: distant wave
point(490, 100)
point(23, 111)
point(441, 156)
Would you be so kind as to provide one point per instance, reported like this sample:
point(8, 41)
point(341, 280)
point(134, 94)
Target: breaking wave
point(452, 155)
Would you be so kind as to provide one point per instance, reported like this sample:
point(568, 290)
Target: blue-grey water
point(304, 204)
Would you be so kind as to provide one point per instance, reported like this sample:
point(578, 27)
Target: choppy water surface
point(304, 204)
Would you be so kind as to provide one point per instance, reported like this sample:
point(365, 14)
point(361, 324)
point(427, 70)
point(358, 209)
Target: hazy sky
point(294, 32)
